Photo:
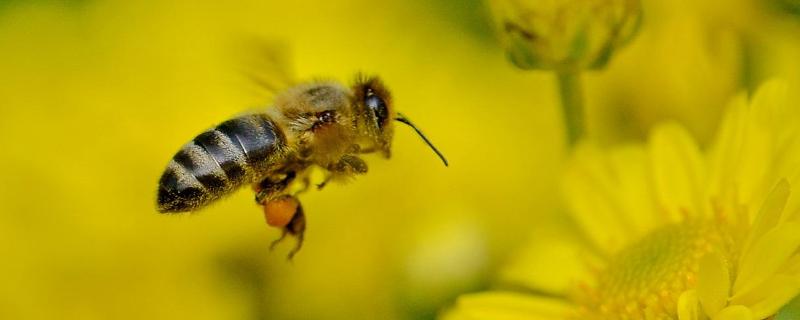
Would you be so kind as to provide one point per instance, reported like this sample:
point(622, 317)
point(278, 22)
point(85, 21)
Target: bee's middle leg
point(347, 165)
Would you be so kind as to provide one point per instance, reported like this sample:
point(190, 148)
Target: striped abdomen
point(217, 162)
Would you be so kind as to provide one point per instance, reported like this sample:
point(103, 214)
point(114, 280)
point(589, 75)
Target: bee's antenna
point(402, 118)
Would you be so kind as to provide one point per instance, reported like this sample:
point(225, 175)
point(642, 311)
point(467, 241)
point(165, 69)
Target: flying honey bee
point(319, 124)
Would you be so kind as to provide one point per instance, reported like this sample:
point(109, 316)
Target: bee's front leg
point(285, 212)
point(347, 165)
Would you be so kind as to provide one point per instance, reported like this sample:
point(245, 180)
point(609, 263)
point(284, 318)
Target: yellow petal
point(788, 166)
point(792, 265)
point(508, 306)
point(609, 188)
point(770, 212)
point(771, 105)
point(734, 313)
point(753, 166)
point(766, 299)
point(769, 215)
point(678, 171)
point(787, 150)
point(726, 148)
point(633, 194)
point(766, 256)
point(772, 127)
point(713, 282)
point(689, 306)
point(741, 157)
point(552, 261)
point(587, 187)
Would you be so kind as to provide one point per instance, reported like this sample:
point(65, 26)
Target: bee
point(319, 124)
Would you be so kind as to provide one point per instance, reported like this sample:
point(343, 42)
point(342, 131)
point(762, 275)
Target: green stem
point(569, 87)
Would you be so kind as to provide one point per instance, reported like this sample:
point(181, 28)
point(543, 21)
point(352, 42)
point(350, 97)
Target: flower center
point(645, 279)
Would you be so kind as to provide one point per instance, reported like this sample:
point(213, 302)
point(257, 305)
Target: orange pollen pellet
point(279, 212)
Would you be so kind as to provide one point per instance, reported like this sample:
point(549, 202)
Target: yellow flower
point(564, 34)
point(671, 231)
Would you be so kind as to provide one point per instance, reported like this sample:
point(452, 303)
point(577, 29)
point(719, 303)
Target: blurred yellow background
point(96, 96)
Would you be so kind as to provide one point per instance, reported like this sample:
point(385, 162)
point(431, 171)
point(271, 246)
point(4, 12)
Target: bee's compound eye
point(377, 105)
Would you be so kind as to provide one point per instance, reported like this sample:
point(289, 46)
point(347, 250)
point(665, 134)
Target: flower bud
point(564, 34)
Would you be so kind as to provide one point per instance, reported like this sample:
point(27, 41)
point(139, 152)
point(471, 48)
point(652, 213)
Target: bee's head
point(376, 114)
point(373, 104)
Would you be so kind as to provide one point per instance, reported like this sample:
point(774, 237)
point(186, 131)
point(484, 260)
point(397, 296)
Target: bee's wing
point(265, 66)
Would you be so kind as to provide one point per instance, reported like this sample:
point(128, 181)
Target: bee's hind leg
point(279, 240)
point(297, 228)
point(270, 187)
point(286, 213)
